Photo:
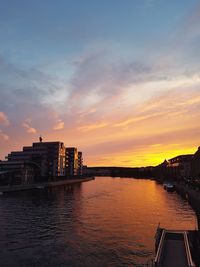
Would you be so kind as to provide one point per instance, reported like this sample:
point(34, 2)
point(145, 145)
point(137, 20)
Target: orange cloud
point(4, 119)
point(60, 125)
point(28, 128)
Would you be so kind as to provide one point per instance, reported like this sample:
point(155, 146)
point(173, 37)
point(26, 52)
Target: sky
point(119, 79)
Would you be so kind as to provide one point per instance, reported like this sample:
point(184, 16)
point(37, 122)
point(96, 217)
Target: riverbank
point(15, 188)
point(191, 194)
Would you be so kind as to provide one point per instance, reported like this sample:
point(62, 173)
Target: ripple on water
point(106, 222)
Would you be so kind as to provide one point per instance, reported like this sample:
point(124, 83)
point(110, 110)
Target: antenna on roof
point(40, 138)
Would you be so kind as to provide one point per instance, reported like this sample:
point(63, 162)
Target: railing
point(160, 249)
point(188, 253)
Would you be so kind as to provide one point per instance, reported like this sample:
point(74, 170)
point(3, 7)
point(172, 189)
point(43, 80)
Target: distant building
point(97, 171)
point(71, 156)
point(161, 171)
point(180, 166)
point(175, 168)
point(195, 165)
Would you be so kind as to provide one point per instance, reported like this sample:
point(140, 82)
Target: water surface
point(106, 222)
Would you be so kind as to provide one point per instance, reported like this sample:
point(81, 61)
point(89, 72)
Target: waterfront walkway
point(173, 250)
point(15, 188)
point(174, 254)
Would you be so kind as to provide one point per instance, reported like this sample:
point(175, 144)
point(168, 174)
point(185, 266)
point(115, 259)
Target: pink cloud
point(3, 136)
point(28, 128)
point(4, 119)
point(59, 125)
point(92, 127)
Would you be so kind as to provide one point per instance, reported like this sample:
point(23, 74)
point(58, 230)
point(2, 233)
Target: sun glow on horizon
point(140, 159)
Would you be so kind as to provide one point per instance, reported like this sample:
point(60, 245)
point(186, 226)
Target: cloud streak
point(92, 127)
point(4, 119)
point(28, 128)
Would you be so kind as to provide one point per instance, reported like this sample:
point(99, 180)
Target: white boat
point(169, 187)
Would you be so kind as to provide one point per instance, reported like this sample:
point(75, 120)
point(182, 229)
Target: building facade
point(80, 163)
point(48, 157)
point(17, 173)
point(41, 161)
point(71, 157)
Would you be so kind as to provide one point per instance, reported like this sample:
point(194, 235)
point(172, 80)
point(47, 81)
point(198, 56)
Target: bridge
point(173, 250)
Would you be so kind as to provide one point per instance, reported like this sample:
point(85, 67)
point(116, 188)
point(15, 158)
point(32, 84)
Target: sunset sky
point(119, 79)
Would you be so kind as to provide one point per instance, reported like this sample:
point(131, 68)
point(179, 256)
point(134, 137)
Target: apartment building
point(41, 161)
point(48, 157)
point(71, 156)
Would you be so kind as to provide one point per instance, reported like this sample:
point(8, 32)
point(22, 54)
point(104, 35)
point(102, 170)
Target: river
point(105, 222)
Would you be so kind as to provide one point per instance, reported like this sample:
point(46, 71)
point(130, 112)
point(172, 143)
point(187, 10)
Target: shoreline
point(18, 188)
point(192, 195)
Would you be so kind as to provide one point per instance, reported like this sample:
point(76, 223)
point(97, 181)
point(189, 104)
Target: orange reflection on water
point(125, 212)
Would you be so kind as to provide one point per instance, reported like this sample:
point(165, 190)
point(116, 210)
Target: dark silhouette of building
point(18, 172)
point(180, 166)
point(48, 157)
point(41, 161)
point(195, 165)
point(175, 168)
